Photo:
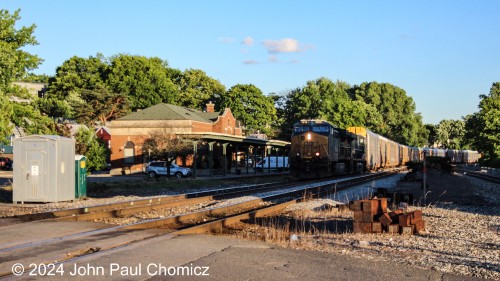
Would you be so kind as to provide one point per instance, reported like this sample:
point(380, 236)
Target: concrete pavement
point(206, 257)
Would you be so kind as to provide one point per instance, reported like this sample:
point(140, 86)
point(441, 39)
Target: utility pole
point(424, 178)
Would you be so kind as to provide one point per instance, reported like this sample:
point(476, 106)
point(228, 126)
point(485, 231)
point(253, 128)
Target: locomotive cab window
point(301, 129)
point(321, 129)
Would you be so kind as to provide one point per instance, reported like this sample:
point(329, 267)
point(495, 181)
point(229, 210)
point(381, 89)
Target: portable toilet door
point(80, 176)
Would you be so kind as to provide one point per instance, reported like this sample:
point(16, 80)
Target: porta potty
point(80, 176)
point(44, 169)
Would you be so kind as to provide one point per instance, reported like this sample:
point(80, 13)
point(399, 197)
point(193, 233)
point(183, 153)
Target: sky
point(444, 54)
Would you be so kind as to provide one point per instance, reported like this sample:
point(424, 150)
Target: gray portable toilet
point(44, 169)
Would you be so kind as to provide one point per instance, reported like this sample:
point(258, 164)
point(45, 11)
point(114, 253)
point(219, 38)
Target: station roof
point(236, 139)
point(163, 111)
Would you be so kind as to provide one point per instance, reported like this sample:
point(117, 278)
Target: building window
point(128, 153)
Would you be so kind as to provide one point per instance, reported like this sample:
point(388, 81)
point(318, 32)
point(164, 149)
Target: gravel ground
point(461, 237)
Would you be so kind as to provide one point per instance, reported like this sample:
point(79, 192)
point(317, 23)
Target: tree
point(89, 145)
point(324, 99)
point(14, 62)
point(54, 107)
point(29, 117)
point(281, 127)
point(100, 106)
point(77, 74)
point(144, 80)
point(162, 144)
point(450, 133)
point(36, 78)
point(432, 129)
point(250, 106)
point(400, 121)
point(483, 127)
point(196, 89)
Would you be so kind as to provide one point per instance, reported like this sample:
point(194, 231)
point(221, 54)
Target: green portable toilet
point(80, 176)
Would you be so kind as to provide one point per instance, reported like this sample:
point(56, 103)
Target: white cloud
point(250, 62)
point(272, 59)
point(226, 39)
point(286, 45)
point(248, 41)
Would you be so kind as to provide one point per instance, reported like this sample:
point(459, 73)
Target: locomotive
point(319, 149)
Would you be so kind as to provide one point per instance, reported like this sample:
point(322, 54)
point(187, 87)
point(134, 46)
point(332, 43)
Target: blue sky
point(444, 54)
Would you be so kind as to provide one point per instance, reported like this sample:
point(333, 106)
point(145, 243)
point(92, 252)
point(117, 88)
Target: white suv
point(157, 168)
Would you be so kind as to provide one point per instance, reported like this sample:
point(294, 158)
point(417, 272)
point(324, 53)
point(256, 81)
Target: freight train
point(319, 149)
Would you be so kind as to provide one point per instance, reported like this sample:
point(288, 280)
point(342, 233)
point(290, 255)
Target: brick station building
point(129, 132)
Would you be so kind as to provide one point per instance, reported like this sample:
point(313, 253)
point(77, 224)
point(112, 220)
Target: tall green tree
point(400, 121)
point(15, 62)
point(249, 105)
point(196, 89)
point(77, 74)
point(328, 100)
point(100, 106)
point(145, 80)
point(483, 127)
point(281, 127)
point(450, 133)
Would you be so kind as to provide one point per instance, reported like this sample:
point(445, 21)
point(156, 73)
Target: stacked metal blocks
point(372, 216)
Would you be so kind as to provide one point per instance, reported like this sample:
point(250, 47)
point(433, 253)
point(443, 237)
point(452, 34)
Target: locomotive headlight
point(309, 136)
point(317, 153)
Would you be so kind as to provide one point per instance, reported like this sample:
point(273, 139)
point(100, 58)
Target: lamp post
point(12, 137)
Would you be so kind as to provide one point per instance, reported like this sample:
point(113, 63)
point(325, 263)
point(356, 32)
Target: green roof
point(163, 111)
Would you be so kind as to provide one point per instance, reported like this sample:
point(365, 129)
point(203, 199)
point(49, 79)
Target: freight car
point(319, 149)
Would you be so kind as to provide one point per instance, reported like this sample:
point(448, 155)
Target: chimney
point(210, 107)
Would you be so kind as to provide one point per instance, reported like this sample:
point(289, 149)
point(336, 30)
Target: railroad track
point(98, 241)
point(480, 175)
point(122, 209)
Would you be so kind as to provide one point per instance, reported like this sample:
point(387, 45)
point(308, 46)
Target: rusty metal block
point(358, 216)
point(367, 217)
point(357, 227)
point(407, 230)
point(366, 227)
point(385, 219)
point(404, 220)
point(393, 228)
point(416, 216)
point(376, 227)
point(419, 226)
point(371, 206)
point(355, 205)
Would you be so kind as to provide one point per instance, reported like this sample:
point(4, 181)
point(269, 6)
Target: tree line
point(98, 89)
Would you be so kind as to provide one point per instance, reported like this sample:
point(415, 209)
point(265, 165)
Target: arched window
point(128, 153)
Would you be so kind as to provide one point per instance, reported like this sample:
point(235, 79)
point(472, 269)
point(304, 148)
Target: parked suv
point(157, 168)
point(5, 163)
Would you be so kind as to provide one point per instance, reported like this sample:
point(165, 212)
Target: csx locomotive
point(319, 149)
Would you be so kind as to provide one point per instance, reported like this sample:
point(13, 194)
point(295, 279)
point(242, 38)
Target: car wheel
point(152, 174)
point(178, 175)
